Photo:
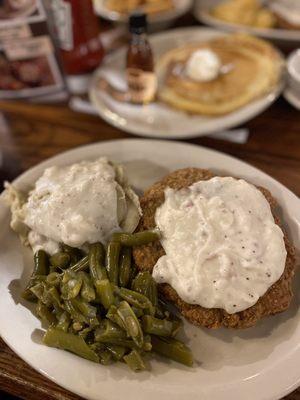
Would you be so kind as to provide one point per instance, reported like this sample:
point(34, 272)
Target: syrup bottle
point(141, 78)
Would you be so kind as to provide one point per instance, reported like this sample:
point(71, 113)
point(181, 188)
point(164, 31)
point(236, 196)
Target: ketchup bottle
point(78, 32)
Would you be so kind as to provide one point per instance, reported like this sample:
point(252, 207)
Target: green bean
point(84, 308)
point(77, 326)
point(86, 332)
point(105, 357)
point(39, 291)
point(127, 343)
point(80, 265)
point(112, 261)
point(133, 327)
point(135, 239)
point(75, 254)
point(173, 349)
point(139, 312)
point(54, 279)
point(41, 268)
point(177, 324)
point(155, 326)
point(133, 273)
point(71, 285)
point(135, 361)
point(68, 341)
point(147, 343)
point(45, 314)
point(144, 283)
point(117, 352)
point(27, 294)
point(135, 299)
point(60, 260)
point(96, 262)
point(105, 293)
point(63, 322)
point(87, 291)
point(113, 316)
point(125, 267)
point(54, 297)
point(41, 263)
point(75, 314)
point(108, 331)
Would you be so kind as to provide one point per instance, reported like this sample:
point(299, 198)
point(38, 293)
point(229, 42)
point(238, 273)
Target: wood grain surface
point(36, 132)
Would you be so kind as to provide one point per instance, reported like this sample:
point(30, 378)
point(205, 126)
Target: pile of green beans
point(97, 306)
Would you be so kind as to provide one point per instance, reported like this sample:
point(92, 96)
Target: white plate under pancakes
point(158, 120)
point(261, 363)
point(202, 13)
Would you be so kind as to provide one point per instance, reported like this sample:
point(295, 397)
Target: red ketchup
point(78, 30)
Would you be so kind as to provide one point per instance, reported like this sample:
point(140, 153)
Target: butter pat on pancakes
point(223, 247)
point(203, 66)
point(74, 205)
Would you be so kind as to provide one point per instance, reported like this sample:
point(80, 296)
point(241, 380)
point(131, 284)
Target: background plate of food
point(277, 20)
point(161, 13)
point(247, 78)
point(261, 362)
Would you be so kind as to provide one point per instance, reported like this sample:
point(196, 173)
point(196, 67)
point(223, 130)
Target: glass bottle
point(78, 32)
point(141, 78)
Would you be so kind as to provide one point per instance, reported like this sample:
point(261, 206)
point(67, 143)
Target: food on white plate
point(244, 12)
point(76, 205)
point(147, 6)
point(95, 304)
point(287, 13)
point(223, 258)
point(218, 76)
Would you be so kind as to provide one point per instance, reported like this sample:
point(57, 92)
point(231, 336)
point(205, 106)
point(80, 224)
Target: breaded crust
point(275, 300)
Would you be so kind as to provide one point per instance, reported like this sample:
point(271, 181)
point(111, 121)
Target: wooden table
point(36, 132)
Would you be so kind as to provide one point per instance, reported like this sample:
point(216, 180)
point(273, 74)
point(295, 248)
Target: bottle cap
point(138, 22)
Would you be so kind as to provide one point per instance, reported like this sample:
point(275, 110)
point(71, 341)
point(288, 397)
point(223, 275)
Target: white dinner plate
point(261, 363)
point(202, 13)
point(158, 120)
point(158, 20)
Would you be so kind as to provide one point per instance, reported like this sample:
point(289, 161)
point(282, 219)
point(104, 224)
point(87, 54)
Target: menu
point(29, 66)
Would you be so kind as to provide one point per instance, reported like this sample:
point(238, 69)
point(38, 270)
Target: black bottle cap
point(138, 22)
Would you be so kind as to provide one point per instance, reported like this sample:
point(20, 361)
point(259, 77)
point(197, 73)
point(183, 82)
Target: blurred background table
point(31, 133)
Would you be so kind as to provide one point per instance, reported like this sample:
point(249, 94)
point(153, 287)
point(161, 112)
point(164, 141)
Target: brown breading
point(275, 300)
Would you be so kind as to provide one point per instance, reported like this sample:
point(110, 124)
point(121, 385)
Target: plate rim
point(102, 110)
point(203, 16)
point(86, 148)
point(164, 17)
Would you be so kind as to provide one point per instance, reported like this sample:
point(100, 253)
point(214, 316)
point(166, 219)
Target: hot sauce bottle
point(141, 78)
point(78, 31)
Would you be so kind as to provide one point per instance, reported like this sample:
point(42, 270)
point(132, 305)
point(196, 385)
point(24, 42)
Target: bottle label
point(142, 85)
point(62, 13)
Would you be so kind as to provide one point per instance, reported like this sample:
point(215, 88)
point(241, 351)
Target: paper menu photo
point(29, 65)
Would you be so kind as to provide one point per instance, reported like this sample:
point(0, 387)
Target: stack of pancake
point(250, 68)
